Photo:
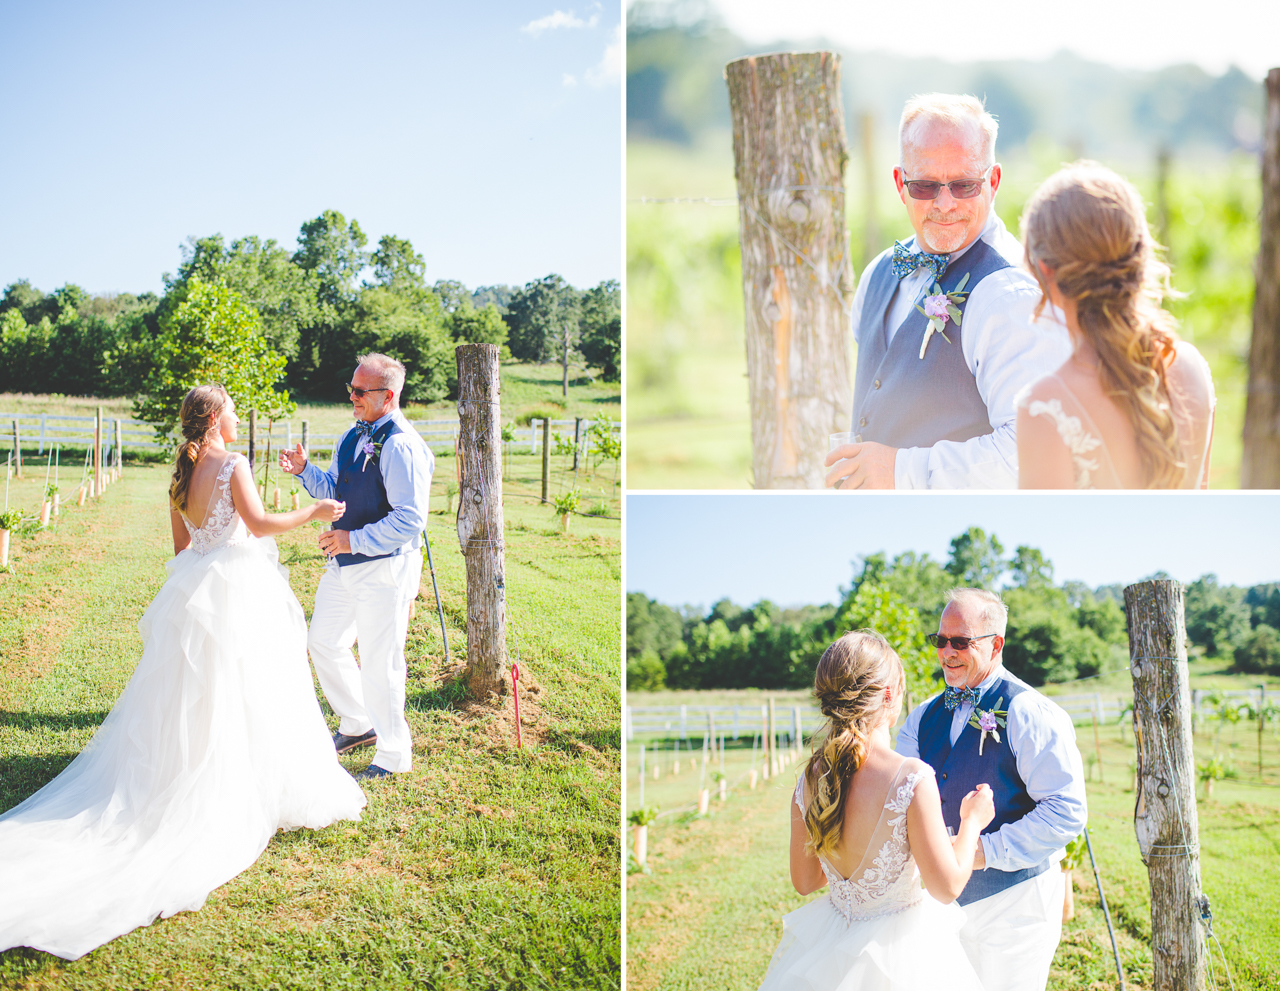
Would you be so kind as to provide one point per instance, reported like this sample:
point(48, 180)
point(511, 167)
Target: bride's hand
point(329, 510)
point(979, 805)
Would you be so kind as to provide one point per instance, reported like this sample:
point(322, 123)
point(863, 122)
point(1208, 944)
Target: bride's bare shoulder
point(1189, 373)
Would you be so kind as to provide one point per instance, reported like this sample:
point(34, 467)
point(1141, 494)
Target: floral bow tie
point(365, 428)
point(906, 261)
point(953, 697)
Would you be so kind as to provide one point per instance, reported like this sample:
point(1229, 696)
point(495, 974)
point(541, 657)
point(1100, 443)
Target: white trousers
point(369, 603)
point(1010, 938)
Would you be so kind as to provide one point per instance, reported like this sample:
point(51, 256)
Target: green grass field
point(708, 915)
point(486, 866)
point(688, 422)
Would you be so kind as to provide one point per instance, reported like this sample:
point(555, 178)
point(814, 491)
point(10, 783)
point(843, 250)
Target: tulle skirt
point(916, 949)
point(216, 742)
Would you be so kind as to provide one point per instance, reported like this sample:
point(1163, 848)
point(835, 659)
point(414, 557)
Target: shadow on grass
point(449, 694)
point(603, 738)
point(56, 721)
point(21, 963)
point(22, 777)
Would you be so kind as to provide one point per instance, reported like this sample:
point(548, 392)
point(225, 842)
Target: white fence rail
point(47, 429)
point(735, 720)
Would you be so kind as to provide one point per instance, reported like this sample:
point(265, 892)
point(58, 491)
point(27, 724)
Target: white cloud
point(559, 19)
point(609, 69)
point(569, 80)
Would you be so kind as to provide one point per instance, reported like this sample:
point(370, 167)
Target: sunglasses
point(360, 393)
point(959, 643)
point(961, 189)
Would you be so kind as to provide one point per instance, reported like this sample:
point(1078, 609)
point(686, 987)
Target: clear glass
point(839, 440)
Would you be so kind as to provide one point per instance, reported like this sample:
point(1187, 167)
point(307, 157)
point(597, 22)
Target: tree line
point(1056, 633)
point(315, 308)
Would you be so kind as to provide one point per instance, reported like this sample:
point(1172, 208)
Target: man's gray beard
point(943, 243)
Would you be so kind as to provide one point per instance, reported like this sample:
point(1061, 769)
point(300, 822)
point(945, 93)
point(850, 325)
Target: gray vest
point(901, 399)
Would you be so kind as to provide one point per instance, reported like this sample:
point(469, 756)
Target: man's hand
point(861, 466)
point(293, 461)
point(335, 542)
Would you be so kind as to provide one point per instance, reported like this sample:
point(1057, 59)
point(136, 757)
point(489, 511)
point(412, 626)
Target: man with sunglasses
point(1013, 900)
point(937, 410)
point(382, 471)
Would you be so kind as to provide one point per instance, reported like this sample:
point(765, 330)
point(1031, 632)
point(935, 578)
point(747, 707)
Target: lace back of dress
point(1091, 464)
point(886, 879)
point(221, 524)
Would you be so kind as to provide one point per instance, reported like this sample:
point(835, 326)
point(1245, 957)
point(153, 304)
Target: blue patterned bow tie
point(365, 428)
point(953, 697)
point(906, 261)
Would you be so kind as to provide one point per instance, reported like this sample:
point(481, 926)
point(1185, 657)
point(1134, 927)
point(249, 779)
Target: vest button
point(862, 422)
point(944, 775)
point(877, 383)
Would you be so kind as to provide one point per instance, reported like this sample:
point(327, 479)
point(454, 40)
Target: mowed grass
point(709, 913)
point(486, 866)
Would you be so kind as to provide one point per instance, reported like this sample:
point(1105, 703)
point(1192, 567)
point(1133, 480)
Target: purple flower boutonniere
point(988, 722)
point(940, 306)
point(372, 451)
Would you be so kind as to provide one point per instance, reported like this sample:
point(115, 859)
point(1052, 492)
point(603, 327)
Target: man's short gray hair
point(390, 372)
point(995, 614)
point(954, 110)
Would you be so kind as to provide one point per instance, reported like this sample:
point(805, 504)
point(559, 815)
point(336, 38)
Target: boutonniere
point(372, 451)
point(940, 306)
point(988, 722)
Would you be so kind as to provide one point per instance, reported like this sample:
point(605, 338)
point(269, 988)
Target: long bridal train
point(216, 742)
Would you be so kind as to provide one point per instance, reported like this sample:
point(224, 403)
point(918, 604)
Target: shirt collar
point(377, 424)
point(986, 683)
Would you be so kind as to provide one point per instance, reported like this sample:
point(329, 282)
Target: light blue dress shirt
point(1043, 741)
point(406, 463)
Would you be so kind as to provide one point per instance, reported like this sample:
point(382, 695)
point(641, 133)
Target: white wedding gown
point(216, 742)
point(878, 929)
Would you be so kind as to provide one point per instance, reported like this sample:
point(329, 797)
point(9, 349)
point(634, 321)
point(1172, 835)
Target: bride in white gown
point(868, 823)
point(1133, 406)
point(216, 742)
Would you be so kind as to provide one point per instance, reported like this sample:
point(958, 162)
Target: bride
point(216, 742)
point(1133, 406)
point(868, 823)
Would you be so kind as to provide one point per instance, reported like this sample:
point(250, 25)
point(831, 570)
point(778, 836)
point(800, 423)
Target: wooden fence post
point(480, 519)
point(253, 438)
point(97, 451)
point(1164, 816)
point(789, 155)
point(306, 438)
point(17, 448)
point(773, 739)
point(546, 454)
point(1260, 465)
point(119, 448)
point(577, 441)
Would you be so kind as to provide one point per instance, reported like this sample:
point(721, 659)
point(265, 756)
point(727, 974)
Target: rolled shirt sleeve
point(1005, 348)
point(407, 465)
point(1042, 738)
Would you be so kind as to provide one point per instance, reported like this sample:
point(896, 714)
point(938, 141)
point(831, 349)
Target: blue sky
point(797, 548)
point(487, 134)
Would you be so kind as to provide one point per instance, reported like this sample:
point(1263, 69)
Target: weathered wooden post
point(1260, 465)
point(577, 441)
point(870, 228)
point(17, 448)
point(1164, 816)
point(306, 437)
point(546, 454)
point(119, 448)
point(253, 438)
point(480, 520)
point(97, 452)
point(774, 765)
point(789, 157)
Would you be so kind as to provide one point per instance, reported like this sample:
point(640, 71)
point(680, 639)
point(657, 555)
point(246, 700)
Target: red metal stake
point(515, 676)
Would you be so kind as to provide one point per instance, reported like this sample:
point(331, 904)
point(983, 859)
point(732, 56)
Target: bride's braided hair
point(1088, 225)
point(849, 685)
point(201, 408)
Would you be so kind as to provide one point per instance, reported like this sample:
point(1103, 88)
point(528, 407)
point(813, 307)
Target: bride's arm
point(944, 867)
point(806, 872)
point(1043, 460)
point(244, 495)
point(181, 539)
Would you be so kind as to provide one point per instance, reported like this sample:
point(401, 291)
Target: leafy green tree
point(601, 335)
point(212, 335)
point(397, 266)
point(499, 296)
point(651, 626)
point(454, 296)
point(540, 317)
point(916, 579)
point(1217, 616)
point(1030, 568)
point(468, 325)
point(335, 251)
point(976, 560)
point(877, 607)
point(646, 673)
point(411, 330)
point(1260, 651)
point(286, 295)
